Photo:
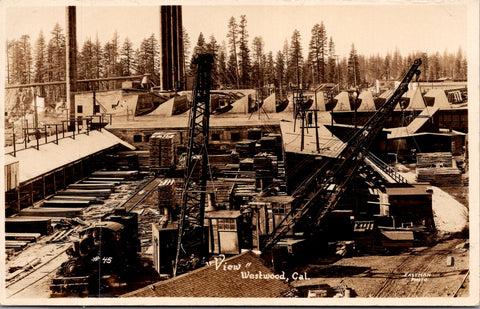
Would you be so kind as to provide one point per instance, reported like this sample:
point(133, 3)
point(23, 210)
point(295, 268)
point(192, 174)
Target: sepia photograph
point(286, 153)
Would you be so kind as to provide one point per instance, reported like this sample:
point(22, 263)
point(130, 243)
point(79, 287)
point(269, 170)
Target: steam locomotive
point(105, 256)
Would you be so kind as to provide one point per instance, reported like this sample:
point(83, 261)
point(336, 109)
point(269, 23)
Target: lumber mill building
point(163, 188)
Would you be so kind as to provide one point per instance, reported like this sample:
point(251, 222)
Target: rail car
point(104, 257)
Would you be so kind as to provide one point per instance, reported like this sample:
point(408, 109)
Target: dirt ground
point(420, 272)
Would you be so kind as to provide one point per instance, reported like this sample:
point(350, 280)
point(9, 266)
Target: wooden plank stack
point(52, 212)
point(162, 150)
point(28, 224)
point(166, 193)
point(114, 174)
point(254, 134)
point(434, 159)
point(245, 148)
point(441, 176)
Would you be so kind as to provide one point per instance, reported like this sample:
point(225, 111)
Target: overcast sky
point(372, 28)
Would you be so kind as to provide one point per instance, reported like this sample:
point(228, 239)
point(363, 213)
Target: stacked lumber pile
point(114, 174)
point(143, 157)
point(29, 224)
point(166, 193)
point(272, 143)
point(434, 159)
point(162, 150)
point(52, 212)
point(242, 194)
point(265, 165)
point(441, 176)
point(246, 164)
point(438, 169)
point(245, 148)
point(254, 134)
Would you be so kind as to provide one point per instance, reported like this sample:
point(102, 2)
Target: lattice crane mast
point(194, 191)
point(324, 188)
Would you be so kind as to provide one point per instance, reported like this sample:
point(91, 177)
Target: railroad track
point(142, 193)
point(418, 264)
point(37, 273)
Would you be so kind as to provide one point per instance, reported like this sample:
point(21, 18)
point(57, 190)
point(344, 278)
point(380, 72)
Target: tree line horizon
point(237, 62)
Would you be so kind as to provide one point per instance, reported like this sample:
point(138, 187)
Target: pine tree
point(127, 56)
point(269, 69)
point(86, 68)
point(97, 58)
point(27, 60)
point(222, 65)
point(200, 48)
point(213, 49)
point(296, 57)
point(56, 47)
point(280, 69)
point(257, 44)
point(387, 65)
point(232, 36)
point(353, 77)
point(460, 71)
point(286, 58)
point(244, 52)
point(332, 58)
point(40, 59)
point(186, 50)
point(318, 51)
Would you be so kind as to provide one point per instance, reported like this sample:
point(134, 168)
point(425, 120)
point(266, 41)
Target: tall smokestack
point(71, 59)
point(172, 61)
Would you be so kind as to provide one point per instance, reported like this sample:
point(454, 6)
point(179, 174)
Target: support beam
point(71, 63)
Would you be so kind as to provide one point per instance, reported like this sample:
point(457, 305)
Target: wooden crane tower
point(322, 190)
point(194, 191)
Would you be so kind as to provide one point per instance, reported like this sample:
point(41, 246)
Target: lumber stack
point(52, 212)
point(97, 193)
point(91, 186)
point(434, 159)
point(166, 193)
point(28, 224)
point(114, 174)
point(66, 203)
point(441, 176)
point(246, 164)
point(264, 166)
point(245, 148)
point(143, 157)
point(162, 150)
point(30, 237)
point(254, 134)
point(92, 199)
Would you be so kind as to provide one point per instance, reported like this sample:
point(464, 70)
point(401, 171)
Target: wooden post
point(64, 177)
point(316, 132)
point(31, 192)
point(56, 133)
point(14, 145)
point(43, 186)
point(45, 129)
point(71, 62)
point(54, 182)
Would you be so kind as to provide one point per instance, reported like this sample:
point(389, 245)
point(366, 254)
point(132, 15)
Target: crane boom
point(324, 188)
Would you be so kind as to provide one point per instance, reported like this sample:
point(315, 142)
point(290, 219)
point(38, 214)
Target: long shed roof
point(34, 163)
